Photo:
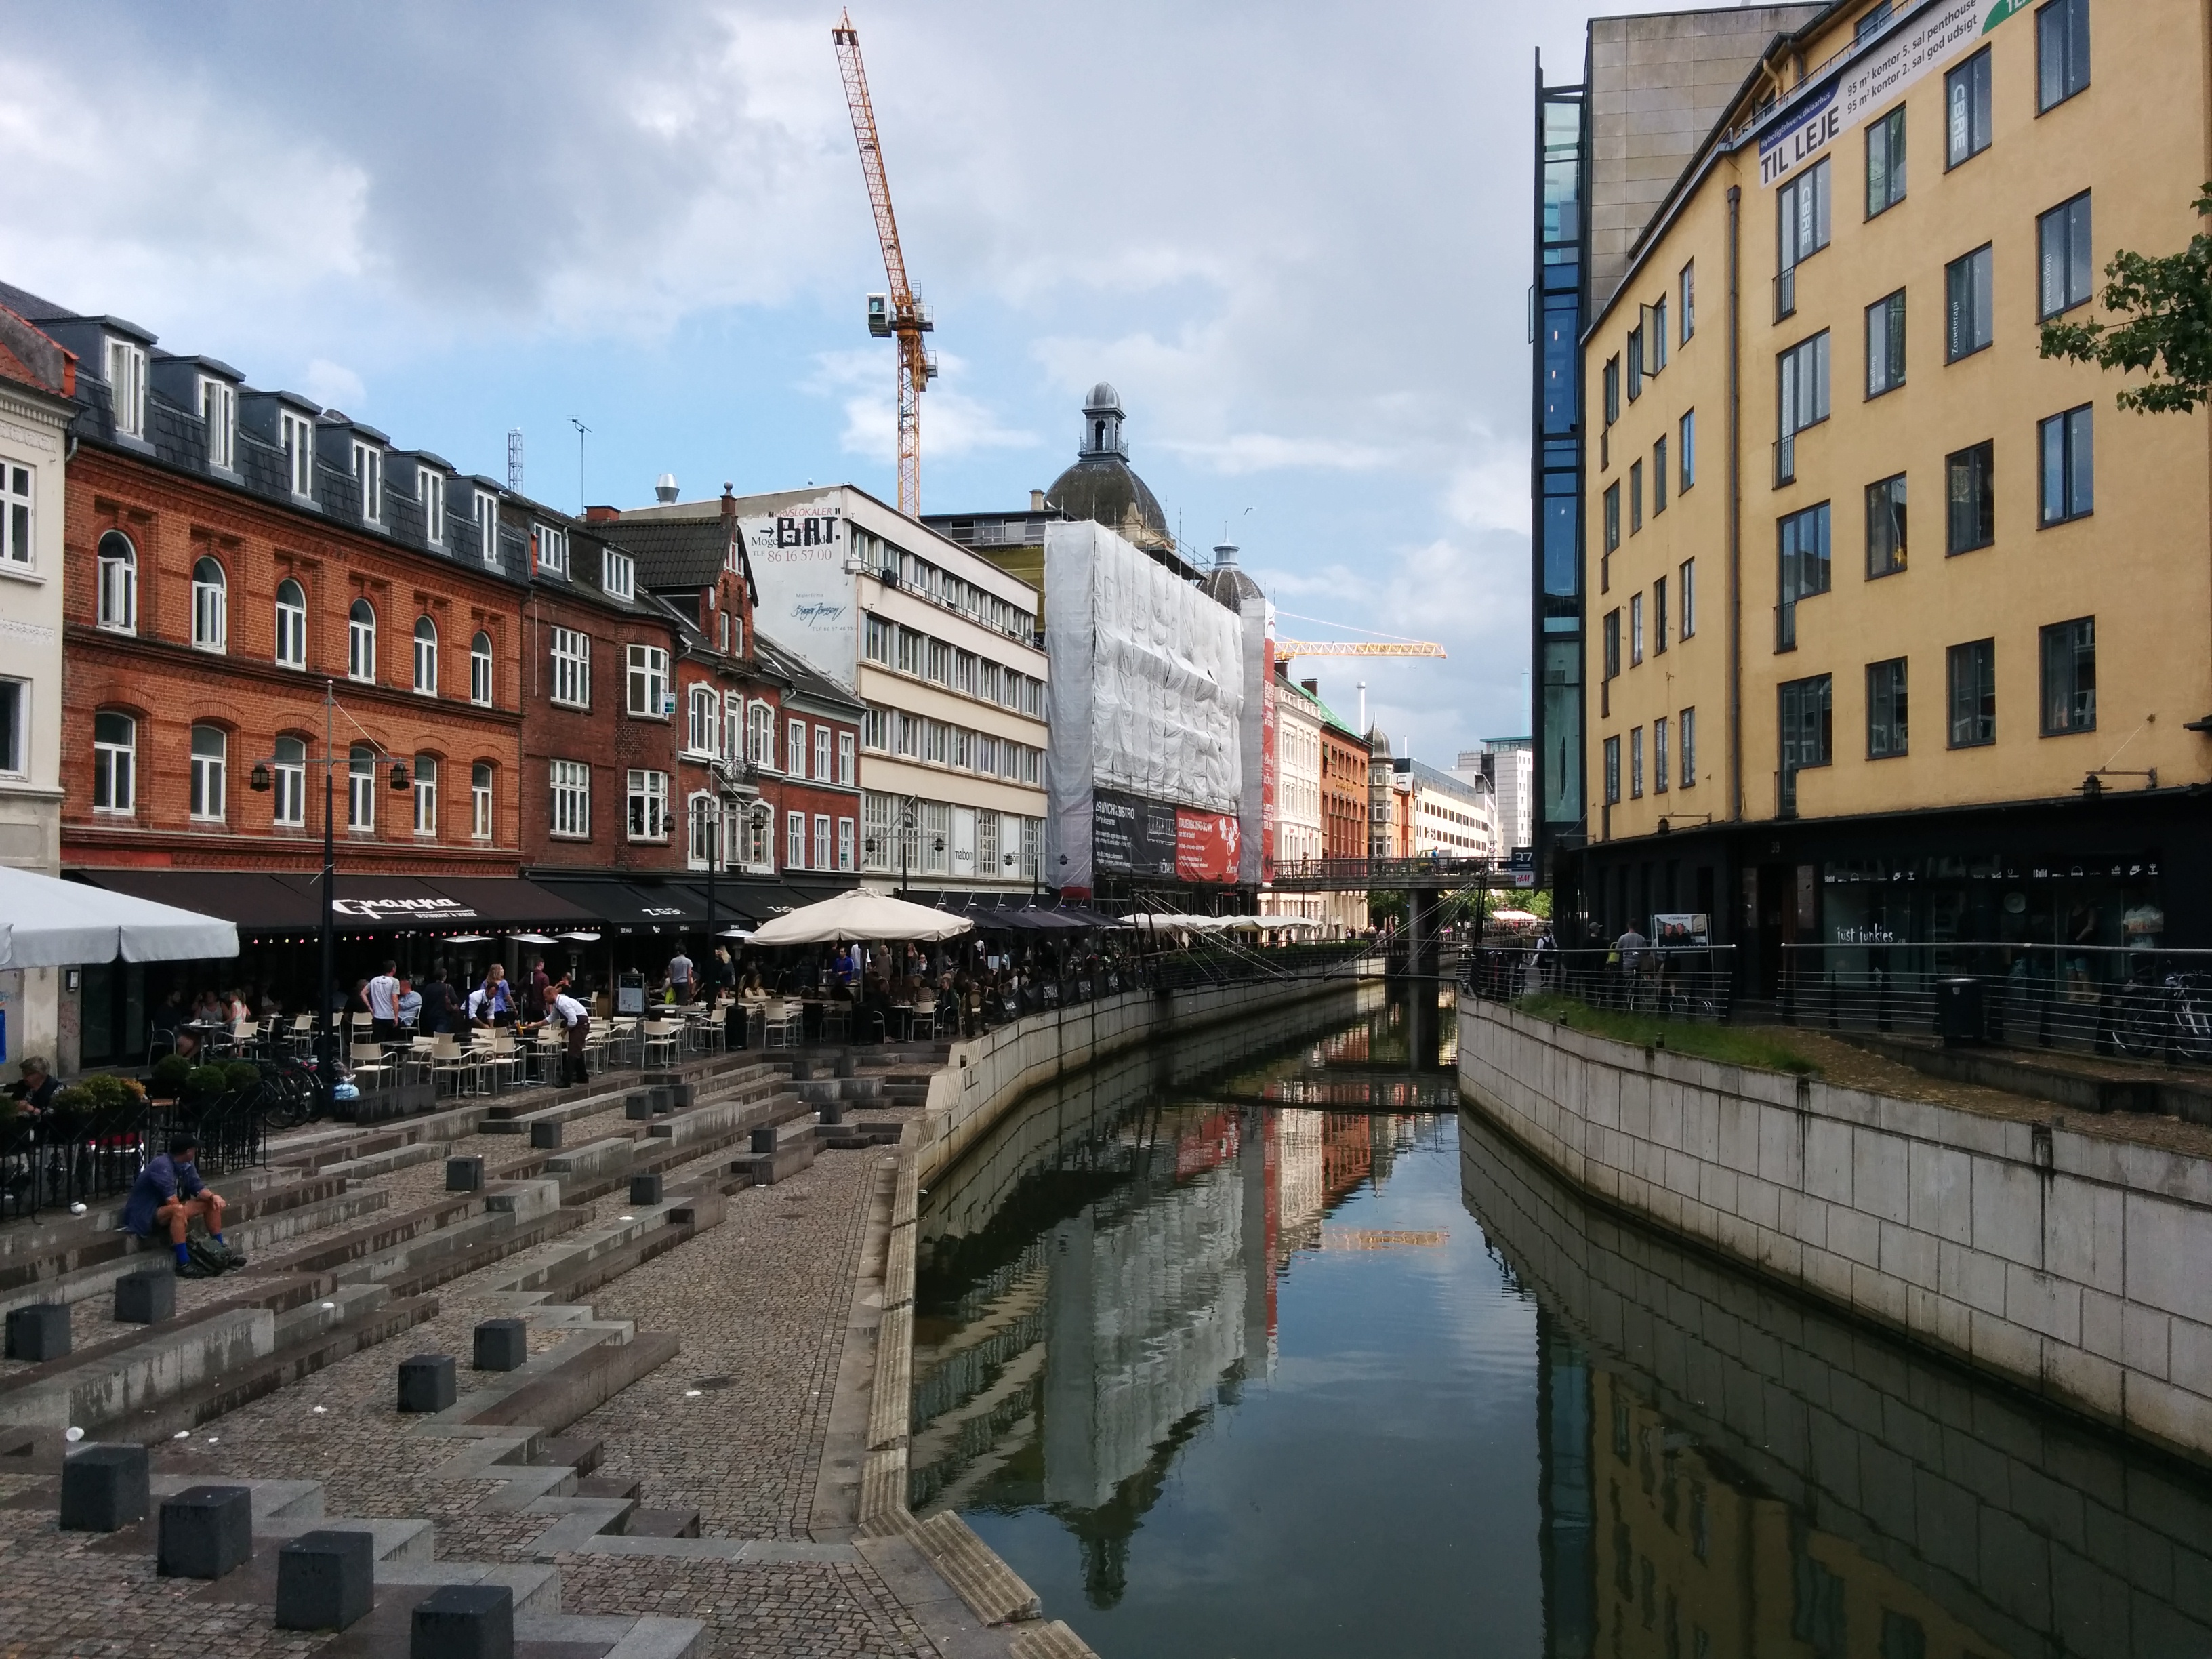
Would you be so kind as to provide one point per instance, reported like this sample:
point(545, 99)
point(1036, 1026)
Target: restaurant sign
point(431, 910)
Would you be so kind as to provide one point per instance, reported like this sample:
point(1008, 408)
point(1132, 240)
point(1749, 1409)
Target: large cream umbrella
point(860, 915)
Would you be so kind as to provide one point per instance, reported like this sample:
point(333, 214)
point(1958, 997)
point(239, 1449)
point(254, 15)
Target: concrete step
point(579, 1452)
point(661, 1523)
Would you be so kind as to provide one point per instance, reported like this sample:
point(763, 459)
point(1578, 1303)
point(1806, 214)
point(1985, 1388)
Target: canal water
point(1259, 1345)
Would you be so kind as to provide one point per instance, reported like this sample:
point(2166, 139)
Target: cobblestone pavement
point(760, 1304)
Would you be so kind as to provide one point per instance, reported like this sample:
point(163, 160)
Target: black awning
point(258, 902)
point(632, 909)
point(504, 902)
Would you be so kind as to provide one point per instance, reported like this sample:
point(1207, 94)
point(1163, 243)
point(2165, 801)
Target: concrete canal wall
point(2073, 1264)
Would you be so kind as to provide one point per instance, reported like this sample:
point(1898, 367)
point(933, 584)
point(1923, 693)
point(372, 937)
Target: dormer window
point(617, 575)
point(219, 409)
point(552, 549)
point(126, 385)
point(488, 528)
point(298, 433)
point(430, 490)
point(369, 473)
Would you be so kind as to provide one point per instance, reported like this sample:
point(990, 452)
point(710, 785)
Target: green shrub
point(206, 1080)
point(168, 1077)
point(242, 1075)
point(1729, 1045)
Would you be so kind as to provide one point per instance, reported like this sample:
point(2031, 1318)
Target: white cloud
point(1492, 493)
point(953, 424)
point(334, 386)
point(1263, 452)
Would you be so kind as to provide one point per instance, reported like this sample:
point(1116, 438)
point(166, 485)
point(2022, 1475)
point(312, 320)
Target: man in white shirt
point(384, 1003)
point(561, 1009)
point(679, 976)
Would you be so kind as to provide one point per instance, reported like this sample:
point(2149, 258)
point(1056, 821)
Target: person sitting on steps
point(170, 1195)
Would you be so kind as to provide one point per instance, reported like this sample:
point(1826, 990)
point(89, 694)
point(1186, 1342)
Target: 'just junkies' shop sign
point(1911, 47)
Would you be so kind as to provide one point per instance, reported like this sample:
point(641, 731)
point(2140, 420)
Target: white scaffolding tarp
point(1147, 688)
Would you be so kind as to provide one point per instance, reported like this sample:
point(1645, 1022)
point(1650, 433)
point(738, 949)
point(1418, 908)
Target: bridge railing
point(1385, 875)
point(1673, 981)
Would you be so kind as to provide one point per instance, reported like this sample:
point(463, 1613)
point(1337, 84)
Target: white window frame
point(571, 800)
point(571, 650)
point(646, 817)
point(488, 528)
point(115, 765)
point(794, 840)
point(119, 585)
point(430, 491)
point(483, 688)
point(424, 781)
point(483, 780)
point(552, 549)
point(219, 410)
point(845, 844)
point(794, 748)
point(288, 805)
point(647, 682)
point(369, 473)
point(208, 776)
point(875, 728)
point(617, 575)
point(296, 433)
point(291, 624)
point(19, 482)
point(211, 604)
point(845, 759)
point(821, 842)
point(821, 754)
point(360, 641)
point(361, 790)
point(126, 386)
point(760, 734)
point(699, 822)
point(759, 832)
point(702, 707)
point(426, 658)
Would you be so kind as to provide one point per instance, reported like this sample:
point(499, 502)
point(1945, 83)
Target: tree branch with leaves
point(2165, 304)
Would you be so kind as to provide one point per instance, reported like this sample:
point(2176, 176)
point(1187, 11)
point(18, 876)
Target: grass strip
point(1729, 1045)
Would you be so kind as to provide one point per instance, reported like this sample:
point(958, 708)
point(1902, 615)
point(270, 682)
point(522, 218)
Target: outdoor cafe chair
point(370, 1068)
point(499, 1057)
point(781, 1019)
point(448, 1059)
point(661, 1037)
point(300, 1036)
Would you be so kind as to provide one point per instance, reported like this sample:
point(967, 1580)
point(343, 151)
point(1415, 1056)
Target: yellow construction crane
point(897, 315)
point(1285, 649)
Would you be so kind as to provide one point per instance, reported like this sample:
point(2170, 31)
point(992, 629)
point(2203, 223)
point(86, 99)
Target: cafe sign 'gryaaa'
point(1910, 47)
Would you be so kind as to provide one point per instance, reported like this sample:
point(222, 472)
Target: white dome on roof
point(1102, 397)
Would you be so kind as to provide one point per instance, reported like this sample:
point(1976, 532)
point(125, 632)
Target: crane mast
point(898, 315)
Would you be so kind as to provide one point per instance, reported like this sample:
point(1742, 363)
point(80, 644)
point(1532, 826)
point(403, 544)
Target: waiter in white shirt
point(384, 1003)
point(563, 1010)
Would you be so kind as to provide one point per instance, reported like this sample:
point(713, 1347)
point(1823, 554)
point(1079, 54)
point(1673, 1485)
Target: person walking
point(535, 1002)
point(679, 976)
point(437, 1004)
point(383, 993)
point(563, 1010)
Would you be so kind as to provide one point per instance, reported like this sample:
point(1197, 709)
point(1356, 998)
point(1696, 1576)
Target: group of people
point(398, 1011)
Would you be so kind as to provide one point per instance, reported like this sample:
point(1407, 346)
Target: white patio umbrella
point(48, 923)
point(860, 915)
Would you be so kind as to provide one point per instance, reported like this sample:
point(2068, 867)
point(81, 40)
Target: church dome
point(1102, 397)
point(1378, 742)
point(1103, 487)
point(1226, 583)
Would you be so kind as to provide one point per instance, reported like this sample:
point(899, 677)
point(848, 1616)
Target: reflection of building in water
point(1562, 1434)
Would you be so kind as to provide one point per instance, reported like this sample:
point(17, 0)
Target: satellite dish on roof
point(664, 487)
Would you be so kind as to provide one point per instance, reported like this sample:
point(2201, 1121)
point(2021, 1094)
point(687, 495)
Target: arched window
point(480, 782)
point(700, 818)
point(291, 624)
point(361, 787)
point(119, 582)
point(210, 749)
point(705, 721)
point(426, 656)
point(289, 780)
point(360, 641)
point(208, 609)
point(480, 669)
point(426, 794)
point(114, 762)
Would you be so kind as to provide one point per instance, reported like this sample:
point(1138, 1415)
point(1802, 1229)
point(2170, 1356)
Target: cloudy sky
point(1295, 237)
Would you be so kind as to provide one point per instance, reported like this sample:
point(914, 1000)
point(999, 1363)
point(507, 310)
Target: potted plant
point(167, 1081)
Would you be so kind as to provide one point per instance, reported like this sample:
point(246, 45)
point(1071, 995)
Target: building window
point(1884, 162)
point(1687, 586)
point(1966, 109)
point(936, 743)
point(1806, 711)
point(572, 800)
point(845, 843)
point(1612, 771)
point(426, 795)
point(1613, 643)
point(1659, 476)
point(1634, 496)
point(118, 583)
point(1686, 445)
point(648, 682)
point(821, 754)
point(360, 788)
point(875, 728)
point(210, 749)
point(1885, 710)
point(2061, 52)
point(291, 624)
point(649, 805)
point(360, 641)
point(1612, 517)
point(1973, 677)
point(913, 652)
point(1659, 756)
point(1612, 390)
point(1803, 377)
point(430, 491)
point(1689, 306)
point(761, 748)
point(1885, 508)
point(552, 549)
point(1635, 629)
point(210, 619)
point(480, 787)
point(289, 784)
point(219, 414)
point(1804, 568)
point(426, 657)
point(1885, 344)
point(1970, 499)
point(2061, 242)
point(2069, 677)
point(1659, 617)
point(845, 761)
point(1968, 286)
point(821, 841)
point(480, 669)
point(936, 828)
point(617, 575)
point(878, 640)
point(2066, 444)
point(1687, 735)
point(126, 386)
point(794, 840)
point(699, 832)
point(1802, 225)
point(298, 434)
point(17, 546)
point(488, 529)
point(1654, 337)
point(704, 721)
point(794, 748)
point(369, 473)
point(571, 668)
point(114, 762)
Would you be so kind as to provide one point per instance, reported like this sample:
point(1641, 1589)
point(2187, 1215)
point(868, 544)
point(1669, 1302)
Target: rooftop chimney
point(1037, 500)
point(729, 505)
point(664, 489)
point(1313, 688)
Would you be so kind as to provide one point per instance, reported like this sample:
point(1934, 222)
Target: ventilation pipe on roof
point(664, 489)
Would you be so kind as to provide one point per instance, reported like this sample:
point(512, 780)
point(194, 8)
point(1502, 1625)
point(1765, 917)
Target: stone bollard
point(831, 1111)
point(465, 1175)
point(802, 1069)
point(427, 1382)
point(645, 1189)
point(40, 1331)
point(205, 1531)
point(545, 1132)
point(325, 1580)
point(105, 1488)
point(847, 1064)
point(147, 1296)
point(664, 1100)
point(637, 1106)
point(463, 1622)
point(680, 1096)
point(502, 1345)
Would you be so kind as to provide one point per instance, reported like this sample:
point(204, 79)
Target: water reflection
point(1223, 1376)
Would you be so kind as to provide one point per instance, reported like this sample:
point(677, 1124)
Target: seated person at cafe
point(36, 1088)
point(188, 1045)
point(407, 1005)
point(170, 1195)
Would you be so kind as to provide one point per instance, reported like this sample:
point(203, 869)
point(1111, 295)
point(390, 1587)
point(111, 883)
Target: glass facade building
point(1558, 302)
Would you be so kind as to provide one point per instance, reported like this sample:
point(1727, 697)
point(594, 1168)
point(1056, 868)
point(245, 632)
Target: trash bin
point(1959, 1013)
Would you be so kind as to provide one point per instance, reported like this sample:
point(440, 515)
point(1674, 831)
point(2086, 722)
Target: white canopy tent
point(49, 923)
point(860, 915)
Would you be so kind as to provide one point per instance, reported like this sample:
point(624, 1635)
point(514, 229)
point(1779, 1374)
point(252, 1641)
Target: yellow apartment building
point(1894, 631)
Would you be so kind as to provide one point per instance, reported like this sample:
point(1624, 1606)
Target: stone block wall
point(2072, 1264)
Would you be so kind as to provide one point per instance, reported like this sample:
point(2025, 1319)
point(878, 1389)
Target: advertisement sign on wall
point(798, 559)
point(1206, 845)
point(1267, 765)
point(1131, 835)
